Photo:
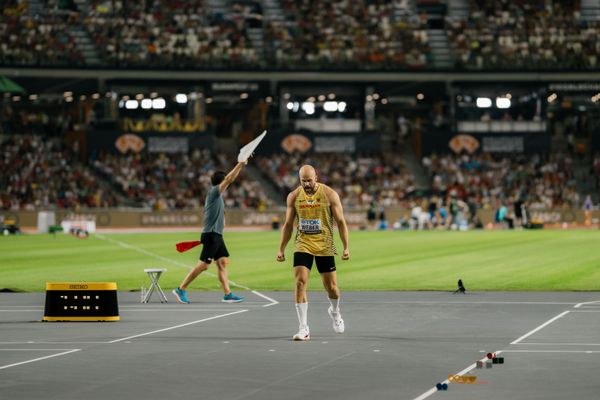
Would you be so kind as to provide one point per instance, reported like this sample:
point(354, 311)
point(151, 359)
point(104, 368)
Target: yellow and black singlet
point(315, 223)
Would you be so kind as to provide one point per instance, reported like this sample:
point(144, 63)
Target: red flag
point(185, 246)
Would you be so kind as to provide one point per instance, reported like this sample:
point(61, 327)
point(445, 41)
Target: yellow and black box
point(81, 301)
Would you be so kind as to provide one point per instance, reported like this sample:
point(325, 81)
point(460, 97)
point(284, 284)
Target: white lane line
point(446, 381)
point(541, 303)
point(272, 301)
point(177, 326)
point(162, 258)
point(270, 384)
point(542, 326)
point(42, 342)
point(33, 349)
point(559, 344)
point(470, 367)
point(583, 310)
point(39, 359)
point(587, 302)
point(552, 351)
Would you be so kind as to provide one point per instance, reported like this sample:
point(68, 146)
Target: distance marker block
point(81, 301)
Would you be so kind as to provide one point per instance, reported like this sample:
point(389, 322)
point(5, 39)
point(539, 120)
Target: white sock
point(302, 311)
point(335, 304)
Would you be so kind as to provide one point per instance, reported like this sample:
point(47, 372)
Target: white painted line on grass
point(542, 326)
point(162, 258)
point(177, 326)
point(587, 302)
point(38, 359)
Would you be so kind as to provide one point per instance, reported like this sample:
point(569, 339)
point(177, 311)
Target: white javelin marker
point(247, 150)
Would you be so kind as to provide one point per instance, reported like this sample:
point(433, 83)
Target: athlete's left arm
point(338, 214)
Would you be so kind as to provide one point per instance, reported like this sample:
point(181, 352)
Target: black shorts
point(213, 247)
point(324, 263)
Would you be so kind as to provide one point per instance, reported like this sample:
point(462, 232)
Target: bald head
point(308, 178)
point(307, 171)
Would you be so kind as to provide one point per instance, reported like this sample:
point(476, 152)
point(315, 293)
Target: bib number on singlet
point(310, 226)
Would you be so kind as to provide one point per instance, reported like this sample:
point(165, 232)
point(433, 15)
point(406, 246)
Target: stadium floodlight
point(375, 96)
point(308, 107)
point(330, 106)
point(146, 104)
point(96, 96)
point(484, 102)
point(181, 98)
point(244, 96)
point(369, 98)
point(33, 97)
point(421, 96)
point(131, 104)
point(268, 99)
point(502, 102)
point(289, 105)
point(68, 94)
point(159, 103)
point(552, 97)
point(384, 101)
point(342, 106)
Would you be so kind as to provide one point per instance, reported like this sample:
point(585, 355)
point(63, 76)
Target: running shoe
point(338, 322)
point(232, 298)
point(180, 295)
point(303, 334)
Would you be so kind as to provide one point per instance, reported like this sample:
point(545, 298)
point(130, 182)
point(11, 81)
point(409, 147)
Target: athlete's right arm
point(288, 225)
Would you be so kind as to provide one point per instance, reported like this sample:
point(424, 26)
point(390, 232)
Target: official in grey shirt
point(213, 245)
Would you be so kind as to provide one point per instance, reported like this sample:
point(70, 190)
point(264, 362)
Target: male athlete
point(314, 205)
point(213, 246)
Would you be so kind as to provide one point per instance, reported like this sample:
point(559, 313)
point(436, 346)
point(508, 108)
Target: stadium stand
point(41, 173)
point(524, 35)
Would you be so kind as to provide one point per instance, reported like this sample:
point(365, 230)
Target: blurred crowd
point(170, 33)
point(342, 33)
point(522, 34)
point(40, 39)
point(41, 173)
point(307, 34)
point(165, 182)
point(358, 180)
point(490, 181)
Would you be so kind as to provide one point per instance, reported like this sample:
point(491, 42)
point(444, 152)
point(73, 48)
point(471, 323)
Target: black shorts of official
point(324, 263)
point(213, 247)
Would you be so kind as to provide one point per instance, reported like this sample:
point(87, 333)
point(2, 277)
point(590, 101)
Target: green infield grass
point(544, 260)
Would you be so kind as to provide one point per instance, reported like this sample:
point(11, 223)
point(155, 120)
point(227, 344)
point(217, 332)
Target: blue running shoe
point(180, 295)
point(232, 298)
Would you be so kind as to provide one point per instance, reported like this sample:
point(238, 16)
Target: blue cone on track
point(439, 386)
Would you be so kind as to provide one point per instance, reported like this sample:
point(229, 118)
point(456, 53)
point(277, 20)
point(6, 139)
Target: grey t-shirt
point(214, 211)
